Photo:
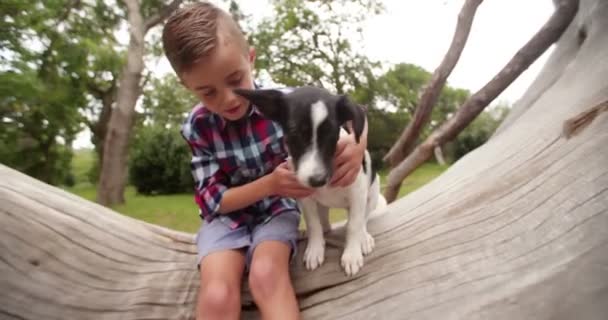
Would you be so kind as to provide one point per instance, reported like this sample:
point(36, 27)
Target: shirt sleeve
point(209, 180)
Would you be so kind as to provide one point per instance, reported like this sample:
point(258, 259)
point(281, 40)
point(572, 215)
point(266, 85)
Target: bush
point(384, 129)
point(160, 162)
point(479, 131)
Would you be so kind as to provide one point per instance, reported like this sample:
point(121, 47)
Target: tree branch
point(162, 14)
point(540, 42)
point(409, 136)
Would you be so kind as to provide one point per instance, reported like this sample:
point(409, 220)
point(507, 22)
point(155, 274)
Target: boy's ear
point(346, 110)
point(269, 102)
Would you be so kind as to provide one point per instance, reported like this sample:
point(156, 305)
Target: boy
point(243, 186)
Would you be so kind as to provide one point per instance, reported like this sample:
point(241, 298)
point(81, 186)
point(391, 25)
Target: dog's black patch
point(364, 165)
point(373, 173)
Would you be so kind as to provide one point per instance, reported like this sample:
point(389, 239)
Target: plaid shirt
point(227, 154)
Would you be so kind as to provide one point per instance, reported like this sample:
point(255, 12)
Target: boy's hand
point(347, 161)
point(284, 183)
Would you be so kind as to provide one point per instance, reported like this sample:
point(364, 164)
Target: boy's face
point(213, 79)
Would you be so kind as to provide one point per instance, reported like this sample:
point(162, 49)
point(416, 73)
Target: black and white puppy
point(313, 120)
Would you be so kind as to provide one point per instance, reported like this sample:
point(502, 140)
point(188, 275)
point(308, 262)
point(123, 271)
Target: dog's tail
point(380, 207)
point(381, 202)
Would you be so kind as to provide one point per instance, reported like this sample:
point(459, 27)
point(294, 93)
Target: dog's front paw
point(368, 243)
point(352, 260)
point(314, 254)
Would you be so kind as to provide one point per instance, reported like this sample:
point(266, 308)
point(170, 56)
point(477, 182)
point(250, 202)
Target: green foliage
point(401, 86)
point(396, 94)
point(159, 162)
point(384, 129)
point(43, 87)
point(308, 42)
point(479, 131)
point(159, 156)
point(166, 102)
point(82, 162)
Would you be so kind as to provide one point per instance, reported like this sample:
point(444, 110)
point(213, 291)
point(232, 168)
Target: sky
point(420, 32)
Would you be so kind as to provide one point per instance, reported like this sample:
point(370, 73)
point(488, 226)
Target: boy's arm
point(214, 197)
point(281, 182)
point(240, 197)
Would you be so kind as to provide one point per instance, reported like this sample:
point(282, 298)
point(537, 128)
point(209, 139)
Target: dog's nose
point(317, 181)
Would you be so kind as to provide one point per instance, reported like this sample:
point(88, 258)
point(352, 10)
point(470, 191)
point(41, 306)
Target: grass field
point(179, 211)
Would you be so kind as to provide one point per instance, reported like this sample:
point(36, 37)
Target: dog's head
point(311, 118)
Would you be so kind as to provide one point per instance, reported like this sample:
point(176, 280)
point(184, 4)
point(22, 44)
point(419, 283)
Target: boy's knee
point(219, 297)
point(264, 276)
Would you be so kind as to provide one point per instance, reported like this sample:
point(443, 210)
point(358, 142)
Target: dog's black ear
point(346, 110)
point(268, 101)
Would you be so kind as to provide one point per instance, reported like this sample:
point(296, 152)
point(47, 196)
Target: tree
point(307, 42)
point(517, 229)
point(166, 102)
point(430, 95)
point(478, 132)
point(472, 107)
point(141, 18)
point(394, 96)
point(158, 157)
point(49, 49)
point(101, 78)
point(159, 162)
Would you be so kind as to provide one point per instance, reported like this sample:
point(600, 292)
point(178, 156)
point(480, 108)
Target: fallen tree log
point(517, 229)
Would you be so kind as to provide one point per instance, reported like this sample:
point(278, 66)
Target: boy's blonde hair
point(193, 31)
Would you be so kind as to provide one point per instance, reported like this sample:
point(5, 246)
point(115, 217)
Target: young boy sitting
point(244, 188)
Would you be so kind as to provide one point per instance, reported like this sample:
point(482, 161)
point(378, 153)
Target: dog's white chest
point(333, 197)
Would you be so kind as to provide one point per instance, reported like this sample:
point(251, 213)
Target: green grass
point(179, 211)
point(82, 162)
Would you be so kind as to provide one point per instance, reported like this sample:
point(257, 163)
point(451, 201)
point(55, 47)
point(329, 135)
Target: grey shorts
point(217, 235)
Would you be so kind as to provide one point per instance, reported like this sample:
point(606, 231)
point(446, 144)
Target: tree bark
point(517, 229)
point(113, 174)
point(407, 141)
point(474, 105)
point(99, 128)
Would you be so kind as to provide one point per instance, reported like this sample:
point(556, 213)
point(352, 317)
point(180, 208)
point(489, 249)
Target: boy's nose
point(230, 98)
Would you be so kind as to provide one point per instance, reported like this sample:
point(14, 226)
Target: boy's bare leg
point(220, 290)
point(270, 283)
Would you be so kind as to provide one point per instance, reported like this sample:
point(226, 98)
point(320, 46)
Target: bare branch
point(162, 14)
point(540, 42)
point(422, 115)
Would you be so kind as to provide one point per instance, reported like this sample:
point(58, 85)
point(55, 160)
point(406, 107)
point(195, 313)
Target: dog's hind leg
point(315, 247)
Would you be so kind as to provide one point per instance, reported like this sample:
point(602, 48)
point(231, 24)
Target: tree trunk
point(99, 128)
point(113, 174)
point(517, 229)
